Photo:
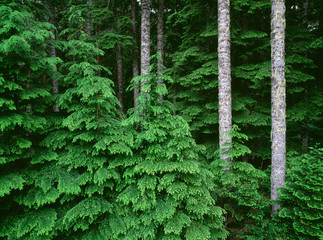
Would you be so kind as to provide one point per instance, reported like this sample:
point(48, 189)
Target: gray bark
point(224, 65)
point(89, 17)
point(160, 42)
point(145, 41)
point(119, 76)
point(53, 55)
point(135, 69)
point(278, 100)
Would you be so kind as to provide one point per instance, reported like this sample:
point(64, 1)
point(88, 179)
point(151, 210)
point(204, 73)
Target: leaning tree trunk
point(224, 65)
point(135, 69)
point(160, 42)
point(278, 100)
point(145, 42)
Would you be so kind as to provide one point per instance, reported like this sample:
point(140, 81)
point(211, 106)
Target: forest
point(161, 119)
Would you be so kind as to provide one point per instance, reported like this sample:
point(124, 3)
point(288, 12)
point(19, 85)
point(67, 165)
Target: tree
point(167, 187)
point(224, 61)
point(278, 101)
point(160, 38)
point(145, 42)
point(135, 71)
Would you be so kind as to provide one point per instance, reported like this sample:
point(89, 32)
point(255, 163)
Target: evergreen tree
point(224, 82)
point(167, 186)
point(302, 213)
point(278, 101)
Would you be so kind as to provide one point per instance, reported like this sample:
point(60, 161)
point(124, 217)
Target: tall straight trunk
point(53, 55)
point(119, 76)
point(145, 42)
point(160, 41)
point(278, 100)
point(89, 17)
point(224, 65)
point(135, 68)
point(304, 127)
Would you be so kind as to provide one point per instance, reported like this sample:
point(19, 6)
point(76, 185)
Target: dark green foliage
point(89, 172)
point(167, 191)
point(23, 100)
point(302, 197)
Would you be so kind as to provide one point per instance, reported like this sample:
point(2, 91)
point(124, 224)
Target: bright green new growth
point(167, 191)
point(302, 197)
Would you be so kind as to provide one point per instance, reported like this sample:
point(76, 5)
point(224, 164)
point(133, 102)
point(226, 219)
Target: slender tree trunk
point(135, 69)
point(53, 55)
point(224, 65)
point(119, 76)
point(304, 127)
point(89, 17)
point(145, 41)
point(160, 41)
point(278, 100)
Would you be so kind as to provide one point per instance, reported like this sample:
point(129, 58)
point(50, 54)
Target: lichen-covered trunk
point(160, 41)
point(278, 100)
point(119, 76)
point(135, 69)
point(224, 65)
point(145, 42)
point(53, 55)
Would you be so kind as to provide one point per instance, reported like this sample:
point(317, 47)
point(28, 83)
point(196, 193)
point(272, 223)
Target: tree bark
point(278, 100)
point(304, 127)
point(135, 69)
point(145, 42)
point(53, 55)
point(119, 76)
point(224, 65)
point(160, 42)
point(89, 17)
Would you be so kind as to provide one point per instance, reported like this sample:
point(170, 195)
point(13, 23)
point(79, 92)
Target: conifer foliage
point(302, 197)
point(73, 166)
point(167, 193)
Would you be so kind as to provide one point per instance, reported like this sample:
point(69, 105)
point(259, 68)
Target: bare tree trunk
point(278, 100)
point(160, 42)
point(135, 69)
point(53, 55)
point(89, 16)
point(119, 76)
point(304, 127)
point(224, 65)
point(145, 41)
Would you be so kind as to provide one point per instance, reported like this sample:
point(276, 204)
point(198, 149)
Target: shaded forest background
point(78, 161)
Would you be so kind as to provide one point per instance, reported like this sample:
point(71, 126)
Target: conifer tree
point(25, 66)
point(160, 37)
point(278, 101)
point(167, 187)
point(145, 41)
point(135, 70)
point(224, 61)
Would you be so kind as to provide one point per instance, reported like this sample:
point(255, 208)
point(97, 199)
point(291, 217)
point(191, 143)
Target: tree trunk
point(145, 41)
point(135, 69)
point(53, 55)
point(304, 127)
point(160, 42)
point(224, 65)
point(278, 100)
point(89, 16)
point(119, 76)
